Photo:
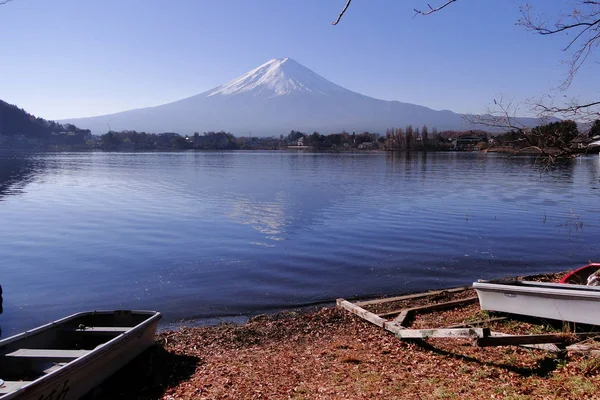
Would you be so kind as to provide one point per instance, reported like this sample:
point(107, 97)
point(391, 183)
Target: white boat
point(67, 358)
point(559, 301)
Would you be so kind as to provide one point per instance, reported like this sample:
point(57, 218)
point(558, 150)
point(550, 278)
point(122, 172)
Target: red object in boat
point(580, 275)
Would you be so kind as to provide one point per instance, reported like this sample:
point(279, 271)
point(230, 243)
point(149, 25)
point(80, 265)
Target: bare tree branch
point(585, 112)
point(4, 1)
point(418, 12)
point(432, 10)
point(583, 23)
point(551, 140)
point(574, 108)
point(502, 115)
point(546, 140)
point(341, 14)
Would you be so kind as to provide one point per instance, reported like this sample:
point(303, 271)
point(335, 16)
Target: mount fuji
point(273, 99)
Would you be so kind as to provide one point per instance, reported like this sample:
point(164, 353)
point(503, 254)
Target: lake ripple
point(215, 234)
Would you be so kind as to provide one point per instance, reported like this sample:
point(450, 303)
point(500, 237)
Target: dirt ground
point(331, 354)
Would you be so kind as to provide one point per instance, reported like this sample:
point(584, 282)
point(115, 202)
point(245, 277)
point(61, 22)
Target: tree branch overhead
point(339, 18)
point(432, 10)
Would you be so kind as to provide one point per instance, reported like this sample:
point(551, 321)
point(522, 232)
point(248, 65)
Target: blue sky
point(76, 58)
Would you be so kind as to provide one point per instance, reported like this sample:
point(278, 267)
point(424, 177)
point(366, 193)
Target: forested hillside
point(15, 121)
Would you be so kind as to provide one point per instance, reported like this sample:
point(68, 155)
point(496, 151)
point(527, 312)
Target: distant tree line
point(394, 139)
point(136, 141)
point(552, 138)
point(411, 138)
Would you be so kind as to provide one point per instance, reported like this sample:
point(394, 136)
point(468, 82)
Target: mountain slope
point(272, 99)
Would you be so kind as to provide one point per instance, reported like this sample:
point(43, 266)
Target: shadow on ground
point(147, 376)
point(542, 369)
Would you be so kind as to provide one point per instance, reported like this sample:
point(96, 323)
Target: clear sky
point(77, 58)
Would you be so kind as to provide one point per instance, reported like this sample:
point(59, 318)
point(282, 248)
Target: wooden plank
point(361, 312)
point(55, 367)
point(402, 318)
point(584, 348)
point(539, 346)
point(478, 322)
point(442, 333)
point(579, 348)
point(11, 386)
point(433, 307)
point(48, 353)
point(393, 327)
point(411, 296)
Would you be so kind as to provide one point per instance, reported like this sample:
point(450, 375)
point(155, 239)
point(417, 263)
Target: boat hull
point(79, 376)
point(563, 302)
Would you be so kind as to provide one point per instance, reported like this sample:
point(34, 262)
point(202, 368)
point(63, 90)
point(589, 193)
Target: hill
point(18, 127)
point(16, 121)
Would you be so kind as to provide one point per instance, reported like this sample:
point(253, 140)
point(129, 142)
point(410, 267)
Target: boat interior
point(33, 354)
point(581, 275)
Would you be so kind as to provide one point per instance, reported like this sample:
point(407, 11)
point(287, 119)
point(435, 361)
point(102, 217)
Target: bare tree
point(585, 112)
point(4, 1)
point(581, 30)
point(550, 139)
point(503, 114)
point(581, 27)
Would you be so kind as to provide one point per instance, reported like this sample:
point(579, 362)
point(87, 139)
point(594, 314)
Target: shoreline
point(329, 353)
point(241, 319)
point(510, 151)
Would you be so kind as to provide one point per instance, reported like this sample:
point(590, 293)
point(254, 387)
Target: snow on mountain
point(273, 99)
point(278, 77)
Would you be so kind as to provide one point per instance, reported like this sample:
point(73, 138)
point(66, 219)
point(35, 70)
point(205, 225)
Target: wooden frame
point(483, 337)
point(399, 325)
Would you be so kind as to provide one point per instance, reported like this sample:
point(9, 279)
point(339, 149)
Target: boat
point(558, 301)
point(67, 358)
point(580, 276)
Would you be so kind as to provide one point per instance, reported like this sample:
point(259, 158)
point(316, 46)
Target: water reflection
point(268, 218)
point(222, 233)
point(17, 170)
point(591, 165)
point(280, 214)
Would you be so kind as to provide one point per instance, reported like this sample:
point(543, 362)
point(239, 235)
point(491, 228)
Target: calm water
point(215, 234)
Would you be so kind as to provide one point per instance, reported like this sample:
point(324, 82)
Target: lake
point(211, 235)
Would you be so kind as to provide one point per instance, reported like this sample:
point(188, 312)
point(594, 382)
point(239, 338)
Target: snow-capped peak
point(277, 77)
